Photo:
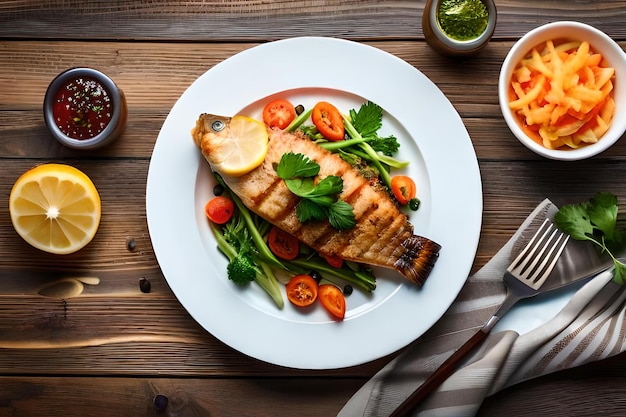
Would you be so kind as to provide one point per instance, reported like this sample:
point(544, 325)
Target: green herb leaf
point(306, 210)
point(602, 209)
point(619, 274)
point(368, 119)
point(574, 220)
point(596, 221)
point(387, 146)
point(341, 215)
point(330, 186)
point(293, 165)
point(305, 188)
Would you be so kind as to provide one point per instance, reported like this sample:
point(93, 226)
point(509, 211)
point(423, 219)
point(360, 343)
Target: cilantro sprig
point(318, 201)
point(596, 221)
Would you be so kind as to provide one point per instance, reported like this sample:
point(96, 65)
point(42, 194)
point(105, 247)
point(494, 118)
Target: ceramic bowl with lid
point(559, 33)
point(85, 109)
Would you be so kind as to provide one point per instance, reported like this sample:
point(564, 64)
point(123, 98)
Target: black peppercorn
point(144, 285)
point(218, 190)
point(160, 402)
point(316, 276)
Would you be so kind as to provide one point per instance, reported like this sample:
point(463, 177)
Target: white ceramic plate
point(443, 163)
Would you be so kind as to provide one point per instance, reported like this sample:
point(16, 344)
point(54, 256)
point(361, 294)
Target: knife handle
point(441, 374)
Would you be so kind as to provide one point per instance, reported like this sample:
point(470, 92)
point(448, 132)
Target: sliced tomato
point(279, 113)
point(332, 299)
point(302, 290)
point(219, 209)
point(328, 121)
point(333, 260)
point(403, 189)
point(282, 244)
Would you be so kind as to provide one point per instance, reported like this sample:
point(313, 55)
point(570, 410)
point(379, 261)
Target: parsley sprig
point(318, 201)
point(596, 221)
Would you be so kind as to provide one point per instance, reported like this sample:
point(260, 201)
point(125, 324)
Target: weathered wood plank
point(203, 20)
point(154, 81)
point(128, 397)
point(74, 396)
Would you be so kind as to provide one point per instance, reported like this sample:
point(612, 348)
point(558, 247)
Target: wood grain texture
point(75, 349)
point(246, 20)
point(130, 397)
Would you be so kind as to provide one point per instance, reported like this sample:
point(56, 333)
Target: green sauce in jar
point(463, 20)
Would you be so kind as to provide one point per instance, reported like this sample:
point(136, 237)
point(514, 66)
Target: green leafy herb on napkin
point(596, 220)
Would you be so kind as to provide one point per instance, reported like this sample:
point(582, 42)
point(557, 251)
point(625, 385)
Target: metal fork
point(523, 279)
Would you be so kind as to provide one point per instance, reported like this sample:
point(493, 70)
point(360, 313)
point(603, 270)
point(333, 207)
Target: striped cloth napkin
point(591, 326)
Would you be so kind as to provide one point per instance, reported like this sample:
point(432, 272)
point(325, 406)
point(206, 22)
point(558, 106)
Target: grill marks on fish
point(383, 235)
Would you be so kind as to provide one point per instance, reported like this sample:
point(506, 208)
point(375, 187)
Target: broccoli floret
point(241, 241)
point(241, 270)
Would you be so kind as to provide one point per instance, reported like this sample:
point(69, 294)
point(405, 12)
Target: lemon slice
point(55, 208)
point(243, 146)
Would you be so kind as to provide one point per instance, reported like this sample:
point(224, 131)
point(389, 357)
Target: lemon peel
point(243, 148)
point(55, 208)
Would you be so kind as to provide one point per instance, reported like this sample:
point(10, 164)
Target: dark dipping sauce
point(463, 20)
point(82, 108)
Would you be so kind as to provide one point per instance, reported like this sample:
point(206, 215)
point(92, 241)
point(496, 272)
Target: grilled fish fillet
point(382, 236)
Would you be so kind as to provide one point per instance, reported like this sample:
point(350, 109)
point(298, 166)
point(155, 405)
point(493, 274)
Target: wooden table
point(113, 348)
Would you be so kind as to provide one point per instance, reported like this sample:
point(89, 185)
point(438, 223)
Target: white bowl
point(599, 42)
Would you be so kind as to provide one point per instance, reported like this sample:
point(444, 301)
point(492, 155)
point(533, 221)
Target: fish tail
point(418, 259)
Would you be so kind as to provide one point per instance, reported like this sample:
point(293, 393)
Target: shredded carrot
point(563, 94)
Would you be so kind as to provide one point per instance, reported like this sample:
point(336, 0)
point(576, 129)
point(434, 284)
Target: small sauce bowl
point(449, 44)
point(84, 109)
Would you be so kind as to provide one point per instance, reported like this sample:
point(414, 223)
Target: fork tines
point(534, 264)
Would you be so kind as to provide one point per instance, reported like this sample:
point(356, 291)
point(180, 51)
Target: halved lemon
point(243, 147)
point(55, 208)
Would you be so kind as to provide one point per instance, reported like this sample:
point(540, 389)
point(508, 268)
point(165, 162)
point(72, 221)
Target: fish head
point(210, 125)
point(210, 132)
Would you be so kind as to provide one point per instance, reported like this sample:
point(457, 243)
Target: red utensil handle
point(441, 374)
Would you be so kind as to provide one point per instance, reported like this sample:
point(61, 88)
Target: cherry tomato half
point(302, 290)
point(282, 244)
point(333, 260)
point(332, 299)
point(403, 188)
point(279, 113)
point(219, 209)
point(328, 121)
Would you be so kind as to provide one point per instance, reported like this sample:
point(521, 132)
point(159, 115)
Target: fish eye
point(218, 125)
